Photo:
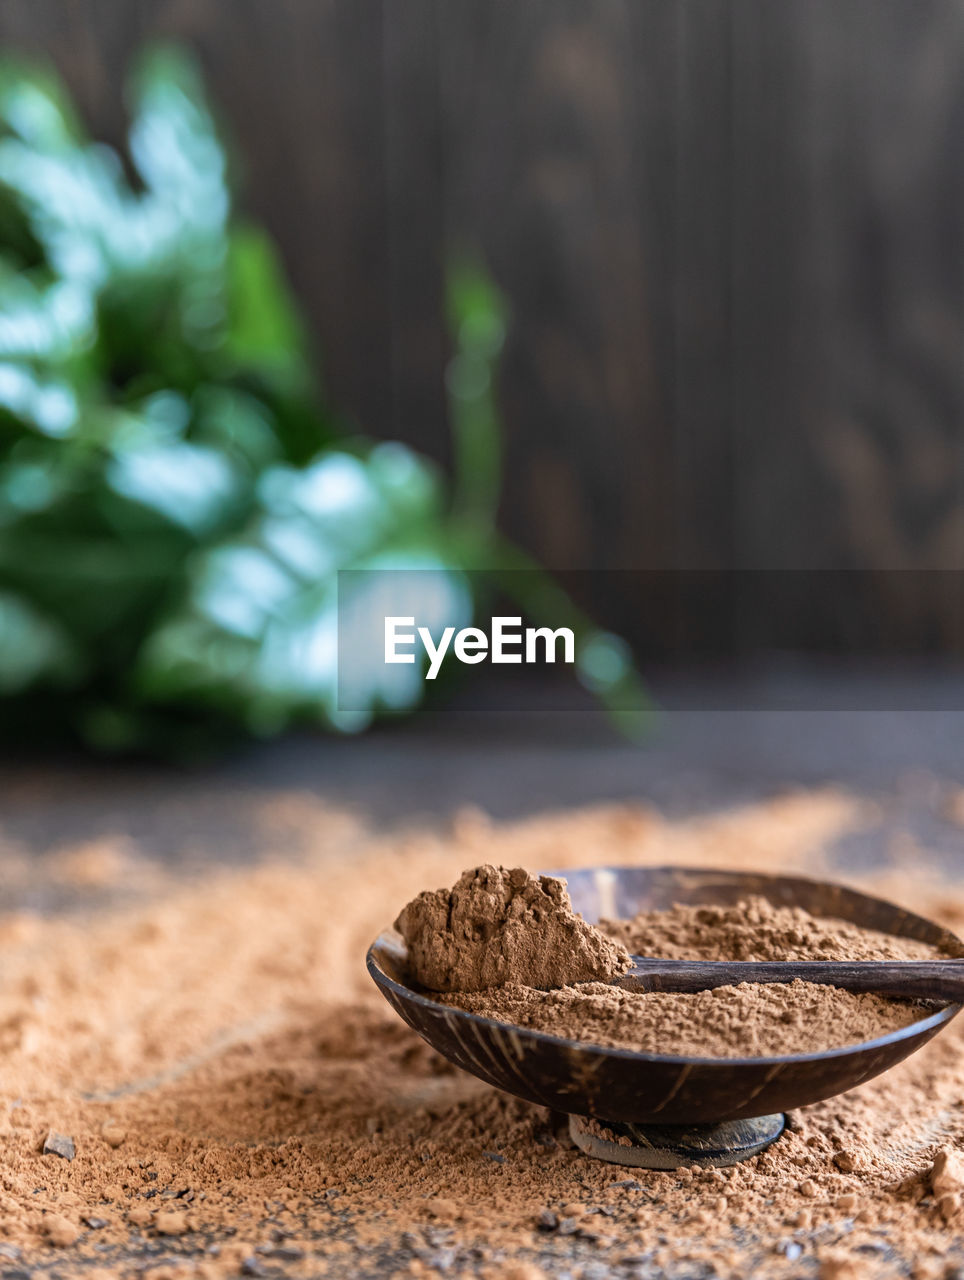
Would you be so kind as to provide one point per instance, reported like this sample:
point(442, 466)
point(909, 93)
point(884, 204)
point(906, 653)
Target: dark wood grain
point(731, 234)
point(701, 286)
point(417, 227)
point(554, 169)
point(847, 414)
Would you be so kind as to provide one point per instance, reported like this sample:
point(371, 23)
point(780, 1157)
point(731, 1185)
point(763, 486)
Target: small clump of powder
point(751, 1020)
point(756, 929)
point(497, 926)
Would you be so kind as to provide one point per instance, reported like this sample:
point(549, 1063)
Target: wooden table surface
point(513, 754)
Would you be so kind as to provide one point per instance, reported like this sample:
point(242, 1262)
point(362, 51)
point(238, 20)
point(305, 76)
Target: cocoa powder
point(216, 1052)
point(745, 1021)
point(749, 1020)
point(756, 929)
point(497, 926)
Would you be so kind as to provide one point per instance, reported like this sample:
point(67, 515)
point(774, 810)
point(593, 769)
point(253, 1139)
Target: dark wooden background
point(731, 234)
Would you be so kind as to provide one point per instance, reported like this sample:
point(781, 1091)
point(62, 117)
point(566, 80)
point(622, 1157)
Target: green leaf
point(32, 646)
point(264, 325)
point(46, 405)
point(174, 142)
point(196, 488)
point(35, 108)
point(477, 317)
point(52, 323)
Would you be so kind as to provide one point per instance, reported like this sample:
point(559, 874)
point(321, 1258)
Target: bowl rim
point(922, 1026)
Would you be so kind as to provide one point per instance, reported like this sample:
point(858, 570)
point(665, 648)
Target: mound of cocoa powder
point(757, 929)
point(497, 926)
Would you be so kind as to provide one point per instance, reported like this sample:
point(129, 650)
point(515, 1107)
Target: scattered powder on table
point(745, 1021)
point(497, 926)
point(242, 1101)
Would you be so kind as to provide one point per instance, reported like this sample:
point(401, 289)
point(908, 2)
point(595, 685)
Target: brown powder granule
point(756, 929)
point(745, 1021)
point(497, 926)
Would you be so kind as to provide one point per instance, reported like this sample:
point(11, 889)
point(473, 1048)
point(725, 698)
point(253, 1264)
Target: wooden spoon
point(940, 980)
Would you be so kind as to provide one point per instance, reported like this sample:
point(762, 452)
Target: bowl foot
point(671, 1146)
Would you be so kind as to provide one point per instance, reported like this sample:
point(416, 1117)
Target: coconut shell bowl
point(662, 1110)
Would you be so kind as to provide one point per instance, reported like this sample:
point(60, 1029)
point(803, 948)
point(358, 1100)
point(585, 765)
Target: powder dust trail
point(260, 1110)
point(249, 1031)
point(903, 1146)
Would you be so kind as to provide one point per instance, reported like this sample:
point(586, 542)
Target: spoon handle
point(941, 980)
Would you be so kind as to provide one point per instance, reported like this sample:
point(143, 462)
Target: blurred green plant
point(175, 501)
